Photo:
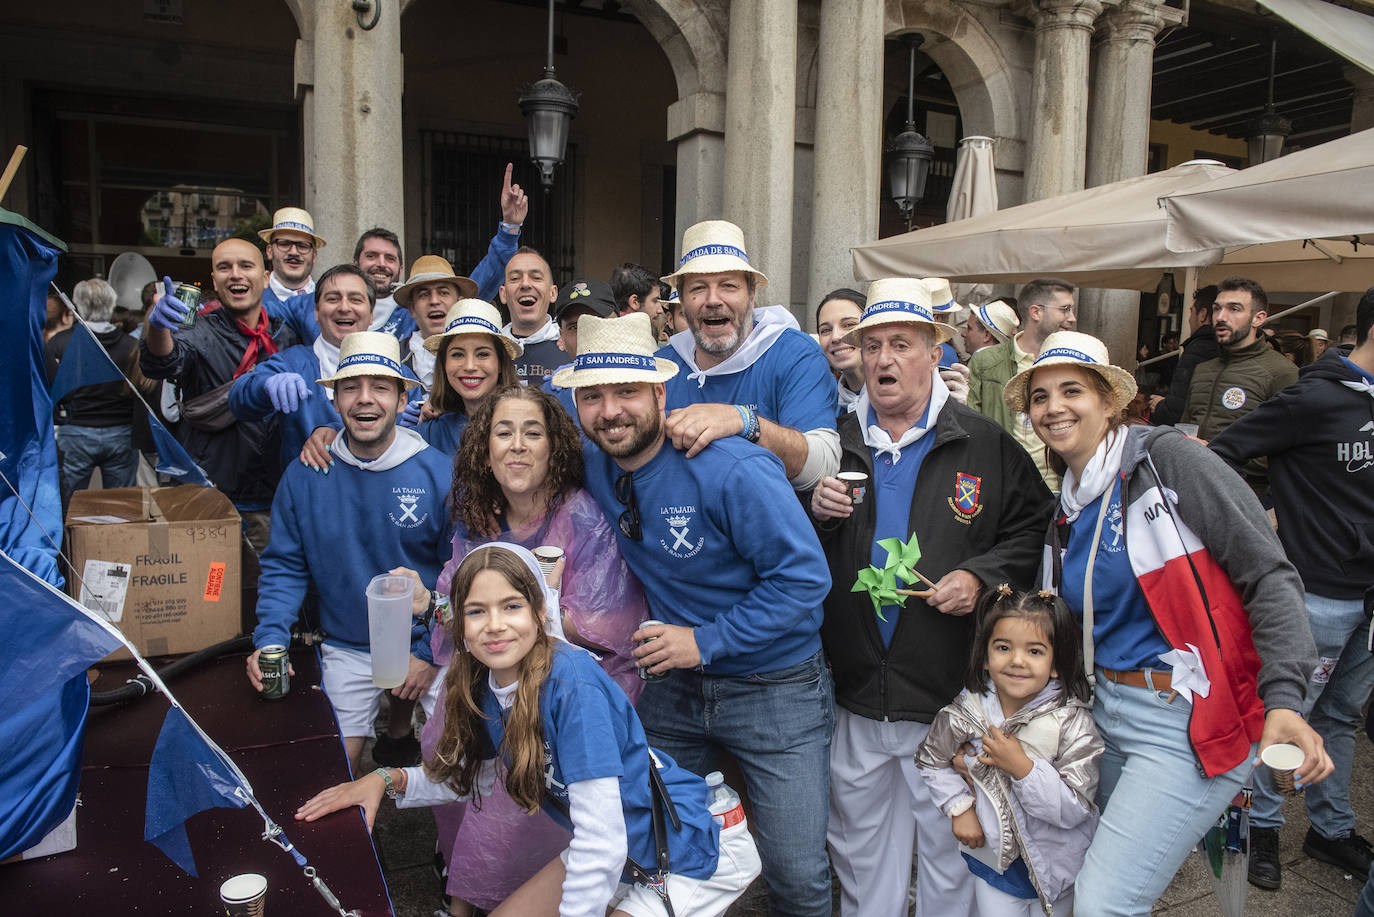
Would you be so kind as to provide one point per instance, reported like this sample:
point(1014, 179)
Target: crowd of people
point(956, 610)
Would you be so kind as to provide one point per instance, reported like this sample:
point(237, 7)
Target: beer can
point(189, 294)
point(644, 673)
point(274, 661)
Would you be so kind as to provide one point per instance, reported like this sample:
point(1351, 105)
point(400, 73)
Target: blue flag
point(186, 776)
point(49, 642)
point(173, 459)
point(28, 452)
point(84, 362)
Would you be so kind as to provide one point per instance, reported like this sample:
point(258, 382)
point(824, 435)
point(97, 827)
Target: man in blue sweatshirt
point(380, 509)
point(1319, 436)
point(285, 383)
point(733, 570)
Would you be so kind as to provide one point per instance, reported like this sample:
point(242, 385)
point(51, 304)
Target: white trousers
point(989, 902)
point(879, 811)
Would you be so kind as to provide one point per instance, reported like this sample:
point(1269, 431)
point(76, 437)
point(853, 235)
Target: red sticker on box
point(214, 582)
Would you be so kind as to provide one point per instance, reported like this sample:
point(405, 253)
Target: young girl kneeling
point(1026, 710)
point(569, 741)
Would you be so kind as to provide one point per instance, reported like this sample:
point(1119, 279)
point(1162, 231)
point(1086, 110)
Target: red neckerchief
point(259, 338)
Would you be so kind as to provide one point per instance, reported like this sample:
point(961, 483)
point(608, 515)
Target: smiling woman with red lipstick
point(475, 359)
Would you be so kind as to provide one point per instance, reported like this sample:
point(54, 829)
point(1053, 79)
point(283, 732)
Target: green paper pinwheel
point(881, 585)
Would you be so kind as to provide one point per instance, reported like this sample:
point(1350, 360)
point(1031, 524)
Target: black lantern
point(550, 107)
point(909, 153)
point(1269, 131)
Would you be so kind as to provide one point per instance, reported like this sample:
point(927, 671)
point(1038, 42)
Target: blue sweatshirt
point(249, 401)
point(444, 432)
point(790, 384)
point(727, 549)
point(341, 529)
point(490, 272)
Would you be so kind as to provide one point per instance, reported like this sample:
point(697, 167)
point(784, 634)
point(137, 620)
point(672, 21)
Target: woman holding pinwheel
point(948, 496)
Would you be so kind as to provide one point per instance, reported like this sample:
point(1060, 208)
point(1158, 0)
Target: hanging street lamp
point(909, 153)
point(550, 106)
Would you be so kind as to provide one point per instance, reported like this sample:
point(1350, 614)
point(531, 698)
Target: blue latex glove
point(410, 417)
point(169, 312)
point(286, 391)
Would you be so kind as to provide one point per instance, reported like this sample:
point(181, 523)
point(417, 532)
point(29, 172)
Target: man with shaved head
point(240, 457)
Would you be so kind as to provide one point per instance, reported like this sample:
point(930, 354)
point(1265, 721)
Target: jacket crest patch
point(965, 503)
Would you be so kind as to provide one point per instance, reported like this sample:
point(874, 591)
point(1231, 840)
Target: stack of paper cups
point(244, 895)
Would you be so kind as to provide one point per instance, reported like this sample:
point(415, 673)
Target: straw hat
point(473, 316)
point(1318, 334)
point(294, 219)
point(901, 300)
point(427, 269)
point(999, 318)
point(593, 295)
point(1071, 348)
point(713, 247)
point(369, 353)
point(613, 350)
point(941, 295)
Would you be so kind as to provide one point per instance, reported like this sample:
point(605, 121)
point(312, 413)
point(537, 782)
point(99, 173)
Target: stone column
point(352, 143)
point(848, 154)
point(1059, 96)
point(697, 124)
point(760, 126)
point(1119, 138)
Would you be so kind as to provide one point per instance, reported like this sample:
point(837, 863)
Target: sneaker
point(1351, 853)
point(402, 752)
point(1265, 871)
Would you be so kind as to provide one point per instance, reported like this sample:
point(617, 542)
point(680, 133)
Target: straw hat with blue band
point(369, 353)
point(999, 318)
point(901, 300)
point(473, 316)
point(611, 351)
point(429, 268)
point(941, 295)
point(713, 247)
point(1071, 348)
point(291, 219)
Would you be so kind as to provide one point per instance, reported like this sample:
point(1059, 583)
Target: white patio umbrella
point(1321, 192)
point(974, 193)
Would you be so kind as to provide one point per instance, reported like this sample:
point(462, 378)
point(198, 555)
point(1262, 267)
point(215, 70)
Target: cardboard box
point(161, 563)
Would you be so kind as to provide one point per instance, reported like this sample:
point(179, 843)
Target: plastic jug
point(388, 628)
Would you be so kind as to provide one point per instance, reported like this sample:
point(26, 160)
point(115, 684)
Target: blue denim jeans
point(777, 725)
point(1156, 804)
point(1335, 697)
point(111, 449)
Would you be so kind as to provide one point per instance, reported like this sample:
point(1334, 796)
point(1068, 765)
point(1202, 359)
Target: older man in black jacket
point(978, 507)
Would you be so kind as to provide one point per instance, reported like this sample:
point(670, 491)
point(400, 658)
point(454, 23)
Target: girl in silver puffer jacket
point(1024, 816)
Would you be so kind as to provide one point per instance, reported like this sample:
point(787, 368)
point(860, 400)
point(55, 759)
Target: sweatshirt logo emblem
point(406, 515)
point(1233, 399)
point(967, 489)
point(679, 519)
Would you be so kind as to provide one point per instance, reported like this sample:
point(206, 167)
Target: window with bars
point(461, 206)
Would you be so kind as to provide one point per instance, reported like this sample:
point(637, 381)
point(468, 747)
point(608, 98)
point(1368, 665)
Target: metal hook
point(362, 6)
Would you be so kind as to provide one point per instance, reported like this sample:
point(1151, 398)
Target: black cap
point(593, 295)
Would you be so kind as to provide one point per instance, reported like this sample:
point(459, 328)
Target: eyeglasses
point(1067, 310)
point(286, 245)
point(629, 520)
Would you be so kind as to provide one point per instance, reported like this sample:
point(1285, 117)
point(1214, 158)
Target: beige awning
point(1347, 32)
point(1324, 191)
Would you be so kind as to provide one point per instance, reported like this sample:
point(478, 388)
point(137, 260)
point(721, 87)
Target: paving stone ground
point(405, 842)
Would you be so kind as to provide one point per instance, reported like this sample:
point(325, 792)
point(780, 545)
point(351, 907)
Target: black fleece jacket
point(999, 541)
point(1319, 437)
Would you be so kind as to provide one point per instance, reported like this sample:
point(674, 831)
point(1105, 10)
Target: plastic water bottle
point(723, 802)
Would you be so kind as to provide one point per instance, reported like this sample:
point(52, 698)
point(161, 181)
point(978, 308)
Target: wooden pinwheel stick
point(919, 593)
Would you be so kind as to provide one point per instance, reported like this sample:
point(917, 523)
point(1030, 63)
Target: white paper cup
point(244, 895)
point(1282, 760)
point(548, 556)
point(855, 485)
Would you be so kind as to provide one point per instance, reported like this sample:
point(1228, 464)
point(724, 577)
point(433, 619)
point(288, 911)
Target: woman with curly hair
point(517, 478)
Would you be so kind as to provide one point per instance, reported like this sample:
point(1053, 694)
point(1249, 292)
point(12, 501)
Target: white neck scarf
point(328, 355)
point(769, 324)
point(406, 444)
point(877, 439)
point(381, 313)
point(421, 360)
point(848, 401)
point(1360, 386)
point(548, 333)
point(284, 292)
point(1098, 475)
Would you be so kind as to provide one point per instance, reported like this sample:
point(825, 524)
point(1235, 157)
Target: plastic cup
point(388, 628)
point(1282, 760)
point(244, 895)
point(855, 484)
point(548, 556)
